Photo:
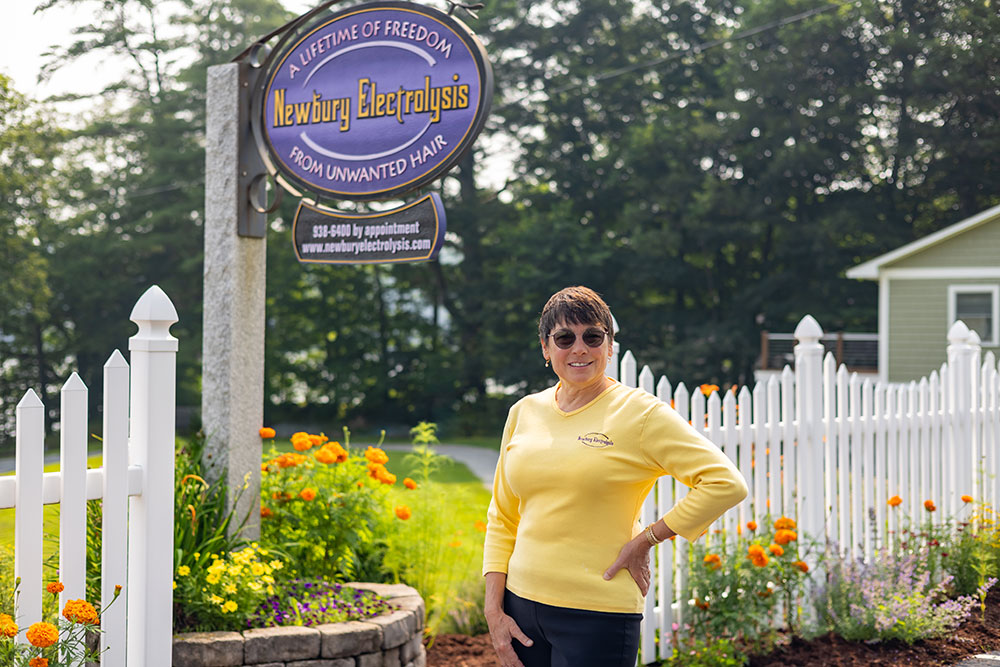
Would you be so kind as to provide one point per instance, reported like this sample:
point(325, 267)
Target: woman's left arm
point(634, 556)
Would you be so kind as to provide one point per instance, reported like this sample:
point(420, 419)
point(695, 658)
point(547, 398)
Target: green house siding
point(918, 326)
point(976, 247)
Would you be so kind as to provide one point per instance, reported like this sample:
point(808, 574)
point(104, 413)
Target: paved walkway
point(482, 461)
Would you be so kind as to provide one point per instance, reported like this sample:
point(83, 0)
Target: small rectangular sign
point(411, 233)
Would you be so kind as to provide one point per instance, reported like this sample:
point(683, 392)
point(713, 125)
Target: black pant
point(565, 637)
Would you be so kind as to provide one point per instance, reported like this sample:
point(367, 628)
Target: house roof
point(869, 270)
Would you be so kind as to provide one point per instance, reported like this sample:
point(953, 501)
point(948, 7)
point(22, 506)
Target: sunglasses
point(564, 338)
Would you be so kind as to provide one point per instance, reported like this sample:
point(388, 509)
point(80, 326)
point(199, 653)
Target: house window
point(979, 307)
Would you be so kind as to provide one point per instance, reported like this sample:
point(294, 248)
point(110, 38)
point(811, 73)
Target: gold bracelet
point(651, 536)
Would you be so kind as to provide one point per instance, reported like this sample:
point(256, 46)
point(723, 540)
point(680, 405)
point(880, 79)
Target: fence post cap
point(958, 333)
point(974, 338)
point(30, 400)
point(74, 383)
point(116, 360)
point(808, 329)
point(154, 306)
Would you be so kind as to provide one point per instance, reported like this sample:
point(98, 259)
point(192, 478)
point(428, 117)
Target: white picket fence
point(822, 446)
point(136, 484)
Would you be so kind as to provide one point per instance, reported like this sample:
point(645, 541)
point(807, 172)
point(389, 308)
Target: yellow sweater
point(569, 487)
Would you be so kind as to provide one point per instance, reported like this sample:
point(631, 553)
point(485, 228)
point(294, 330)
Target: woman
point(566, 562)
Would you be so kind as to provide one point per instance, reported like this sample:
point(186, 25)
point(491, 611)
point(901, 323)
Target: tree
point(28, 148)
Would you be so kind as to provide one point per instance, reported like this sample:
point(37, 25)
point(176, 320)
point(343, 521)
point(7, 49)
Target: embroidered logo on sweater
point(595, 440)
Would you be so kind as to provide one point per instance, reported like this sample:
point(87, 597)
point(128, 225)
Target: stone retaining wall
point(390, 640)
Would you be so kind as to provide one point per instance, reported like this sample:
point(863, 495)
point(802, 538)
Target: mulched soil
point(975, 636)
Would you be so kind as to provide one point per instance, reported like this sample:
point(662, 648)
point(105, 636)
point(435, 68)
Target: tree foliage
point(711, 167)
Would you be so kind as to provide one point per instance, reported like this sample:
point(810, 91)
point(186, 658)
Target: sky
point(30, 35)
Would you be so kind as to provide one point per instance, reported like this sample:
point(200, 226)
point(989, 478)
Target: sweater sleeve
point(671, 444)
point(503, 515)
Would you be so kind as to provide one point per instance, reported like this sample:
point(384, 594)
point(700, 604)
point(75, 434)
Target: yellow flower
point(256, 569)
point(42, 635)
point(229, 606)
point(276, 564)
point(183, 571)
point(215, 599)
point(230, 588)
point(173, 585)
point(255, 585)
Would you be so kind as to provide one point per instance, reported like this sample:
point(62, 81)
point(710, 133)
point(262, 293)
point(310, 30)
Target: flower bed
point(389, 640)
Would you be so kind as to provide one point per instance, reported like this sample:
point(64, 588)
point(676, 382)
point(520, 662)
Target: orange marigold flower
point(38, 662)
point(409, 483)
point(700, 604)
point(929, 505)
point(784, 523)
point(801, 565)
point(751, 525)
point(966, 499)
point(42, 635)
point(707, 389)
point(895, 501)
point(376, 455)
point(776, 550)
point(267, 432)
point(80, 611)
point(55, 587)
point(8, 628)
point(765, 593)
point(403, 512)
point(713, 561)
point(307, 494)
point(480, 526)
point(760, 561)
point(454, 544)
point(755, 551)
point(331, 452)
point(785, 536)
point(374, 468)
point(386, 477)
point(266, 512)
point(302, 441)
point(318, 440)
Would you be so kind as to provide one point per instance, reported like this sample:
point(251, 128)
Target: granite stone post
point(232, 403)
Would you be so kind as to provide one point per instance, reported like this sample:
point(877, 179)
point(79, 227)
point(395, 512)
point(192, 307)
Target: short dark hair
point(575, 305)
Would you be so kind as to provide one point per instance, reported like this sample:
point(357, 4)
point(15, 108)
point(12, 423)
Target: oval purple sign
point(376, 100)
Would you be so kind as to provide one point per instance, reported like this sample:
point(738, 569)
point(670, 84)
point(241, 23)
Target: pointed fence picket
point(830, 449)
point(137, 541)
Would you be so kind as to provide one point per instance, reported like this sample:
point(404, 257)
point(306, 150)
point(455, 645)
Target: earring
point(546, 363)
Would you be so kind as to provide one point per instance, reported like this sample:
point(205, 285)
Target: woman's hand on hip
point(634, 557)
point(503, 631)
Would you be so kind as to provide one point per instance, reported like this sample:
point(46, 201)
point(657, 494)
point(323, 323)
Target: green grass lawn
point(50, 514)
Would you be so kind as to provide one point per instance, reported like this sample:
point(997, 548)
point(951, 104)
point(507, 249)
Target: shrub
point(892, 597)
point(326, 508)
point(737, 587)
point(223, 591)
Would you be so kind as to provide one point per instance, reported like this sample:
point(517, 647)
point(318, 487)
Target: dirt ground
point(975, 636)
